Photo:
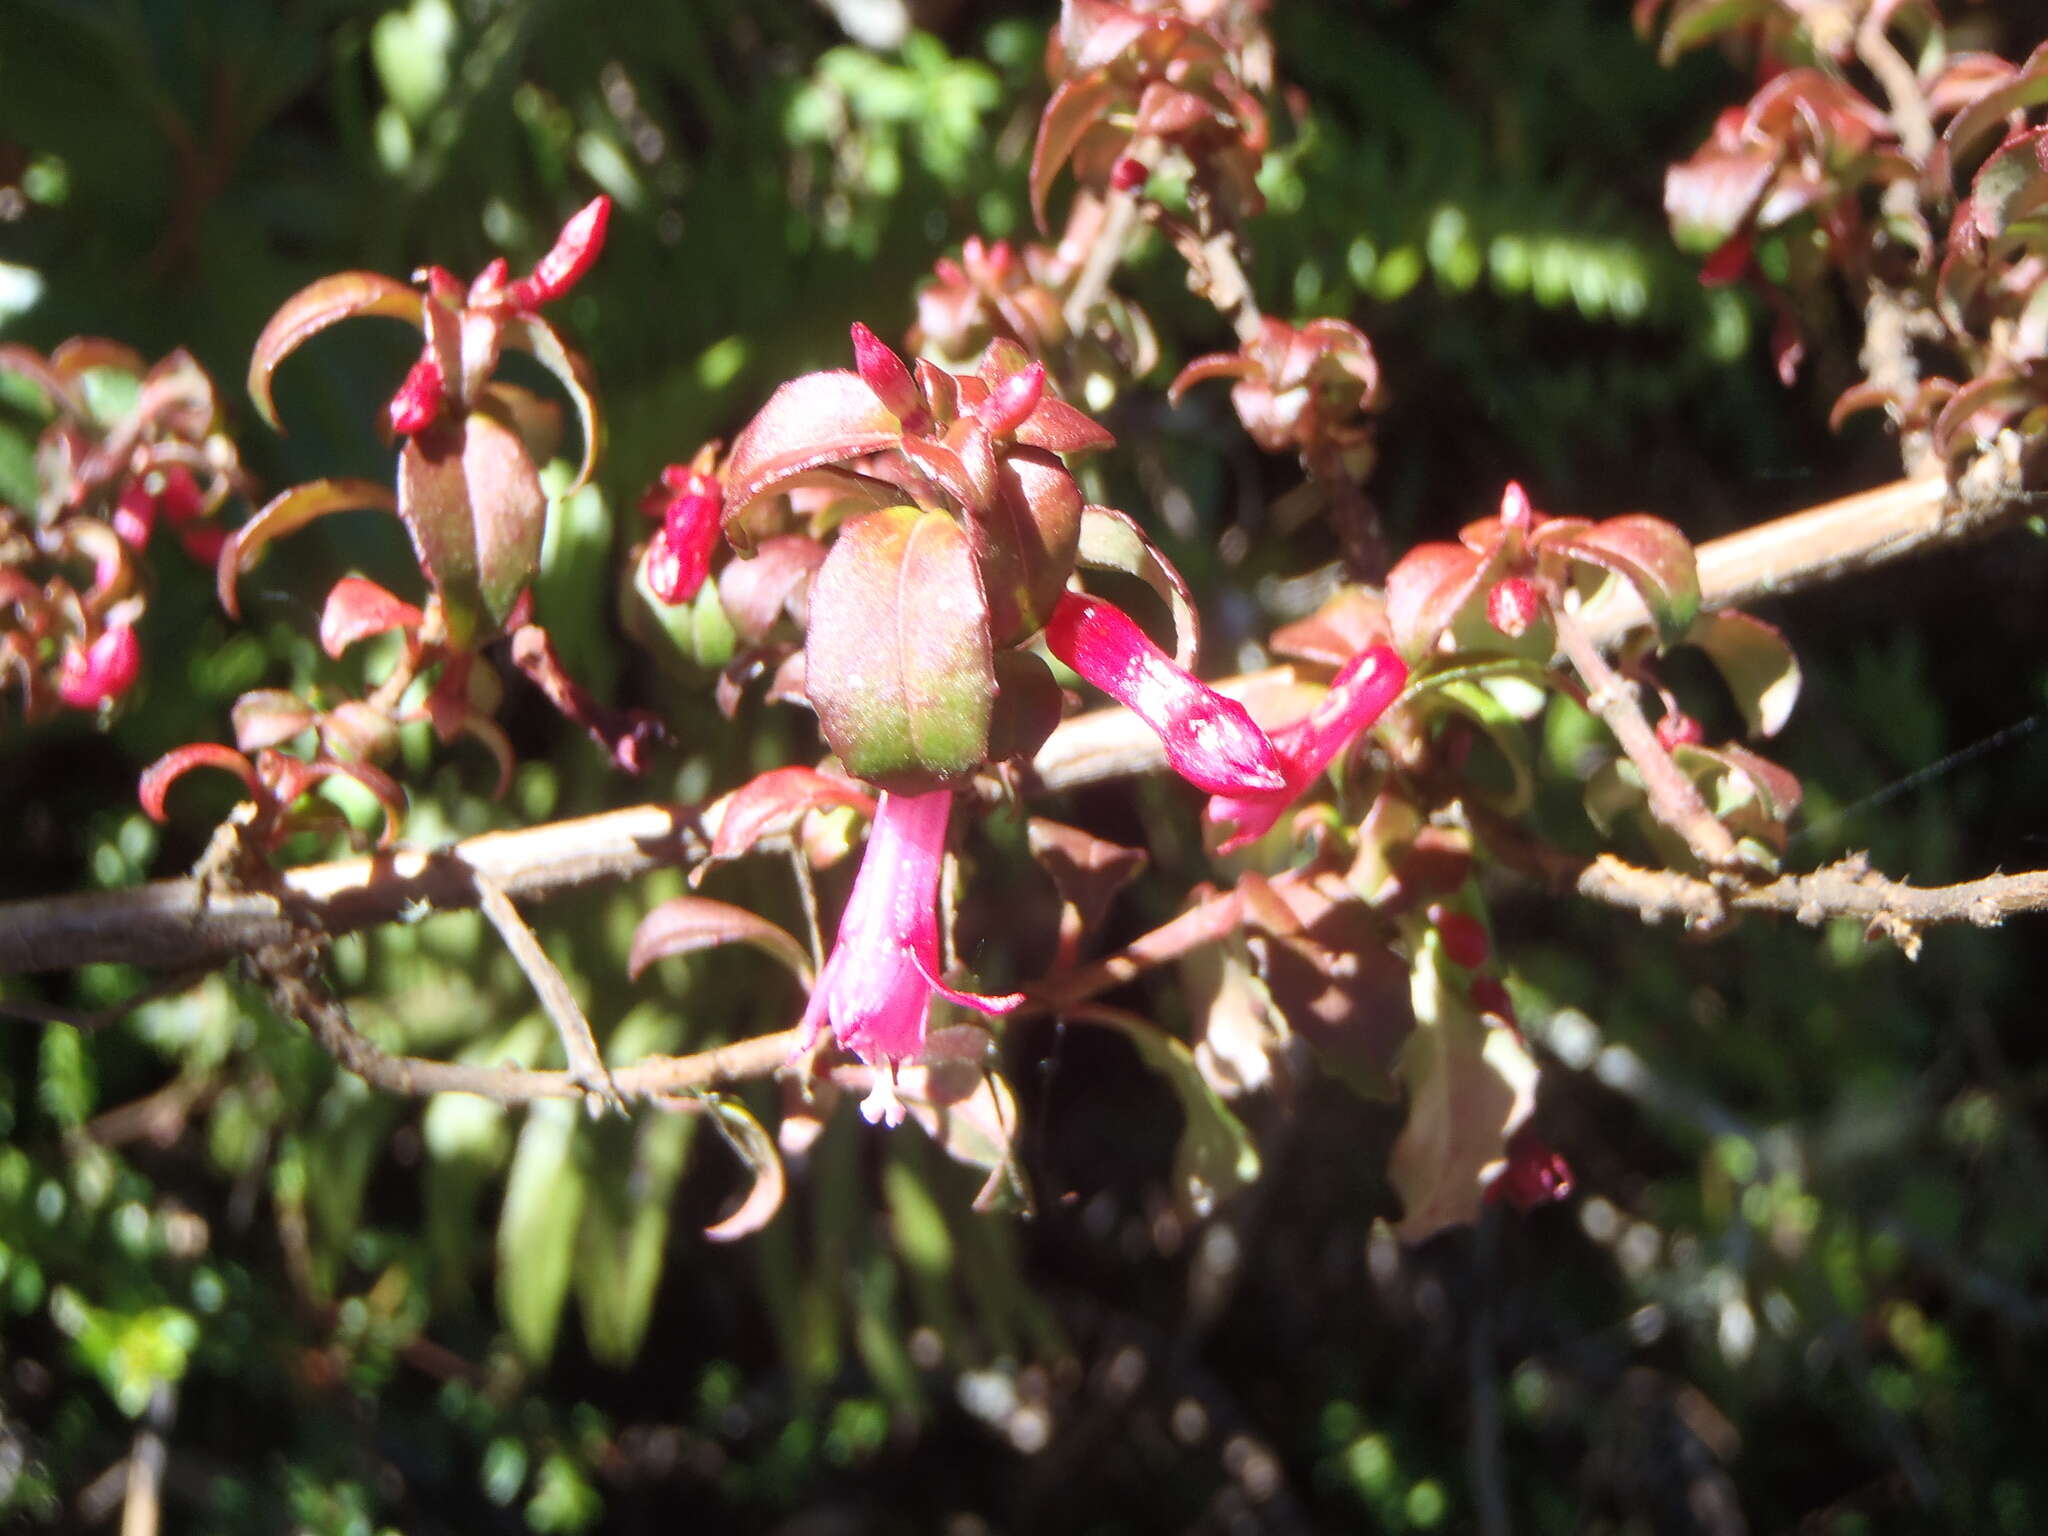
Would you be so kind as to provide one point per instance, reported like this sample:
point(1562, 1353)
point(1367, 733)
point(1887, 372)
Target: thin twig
point(579, 1046)
point(1850, 888)
point(1674, 799)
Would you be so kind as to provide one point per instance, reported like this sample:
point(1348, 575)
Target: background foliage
point(1802, 1285)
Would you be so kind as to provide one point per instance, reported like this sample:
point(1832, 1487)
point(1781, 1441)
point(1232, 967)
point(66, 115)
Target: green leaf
point(897, 658)
point(537, 1228)
point(1216, 1157)
point(471, 499)
point(1756, 663)
point(287, 512)
point(624, 1236)
point(1470, 1086)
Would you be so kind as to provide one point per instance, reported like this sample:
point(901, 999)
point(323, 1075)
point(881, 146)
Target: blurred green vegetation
point(1802, 1285)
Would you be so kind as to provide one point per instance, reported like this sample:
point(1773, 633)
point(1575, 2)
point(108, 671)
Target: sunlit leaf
point(287, 513)
point(311, 310)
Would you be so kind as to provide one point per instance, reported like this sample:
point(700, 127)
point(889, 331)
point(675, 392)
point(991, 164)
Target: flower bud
point(1678, 729)
point(1532, 1174)
point(883, 372)
point(417, 405)
point(1513, 605)
point(1515, 511)
point(1463, 936)
point(1011, 402)
point(1128, 174)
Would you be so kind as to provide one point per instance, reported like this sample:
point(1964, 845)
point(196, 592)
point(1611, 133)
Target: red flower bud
point(101, 672)
point(1532, 1174)
point(134, 515)
point(1513, 605)
point(1011, 402)
point(1128, 174)
point(1210, 741)
point(1515, 511)
point(883, 372)
point(417, 405)
point(1678, 729)
point(1464, 936)
point(575, 248)
point(1490, 997)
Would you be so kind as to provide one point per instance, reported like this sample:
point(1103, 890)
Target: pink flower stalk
point(1210, 740)
point(877, 984)
point(1358, 696)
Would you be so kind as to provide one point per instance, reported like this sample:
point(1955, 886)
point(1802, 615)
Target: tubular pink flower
point(1358, 696)
point(877, 984)
point(101, 672)
point(1210, 740)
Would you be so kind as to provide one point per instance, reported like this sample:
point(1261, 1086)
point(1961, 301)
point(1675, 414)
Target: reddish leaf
point(1756, 663)
point(532, 334)
point(752, 1145)
point(1427, 589)
point(1651, 556)
point(773, 802)
point(158, 777)
point(473, 504)
point(1112, 541)
point(758, 591)
point(287, 513)
point(358, 608)
point(1353, 620)
point(897, 656)
point(683, 924)
point(1057, 427)
point(819, 419)
point(311, 310)
point(1076, 108)
point(269, 717)
point(1025, 541)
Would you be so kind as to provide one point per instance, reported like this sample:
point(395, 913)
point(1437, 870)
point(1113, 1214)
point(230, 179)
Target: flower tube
point(1210, 740)
point(1358, 696)
point(875, 990)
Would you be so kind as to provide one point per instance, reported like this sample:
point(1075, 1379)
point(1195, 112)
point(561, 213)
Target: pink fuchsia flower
point(1358, 696)
point(1210, 740)
point(876, 988)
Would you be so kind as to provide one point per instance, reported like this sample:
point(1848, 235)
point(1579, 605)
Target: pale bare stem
point(807, 895)
point(1674, 799)
point(1207, 922)
point(187, 924)
point(142, 1504)
point(1850, 888)
point(586, 1066)
point(1901, 86)
point(1120, 220)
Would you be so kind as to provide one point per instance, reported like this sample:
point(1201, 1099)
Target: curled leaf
point(755, 1148)
point(311, 310)
point(773, 802)
point(1110, 540)
point(158, 777)
point(358, 608)
point(683, 924)
point(1756, 663)
point(287, 513)
point(532, 334)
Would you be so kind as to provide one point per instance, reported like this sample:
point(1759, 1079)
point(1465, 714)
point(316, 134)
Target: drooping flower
point(876, 988)
point(1358, 696)
point(1210, 740)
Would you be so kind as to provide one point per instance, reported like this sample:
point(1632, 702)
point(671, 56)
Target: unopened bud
point(883, 372)
point(1011, 402)
point(1129, 173)
point(1678, 729)
point(1515, 510)
point(1463, 936)
point(417, 405)
point(1513, 605)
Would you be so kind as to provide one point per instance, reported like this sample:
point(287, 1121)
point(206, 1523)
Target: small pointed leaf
point(686, 923)
point(311, 310)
